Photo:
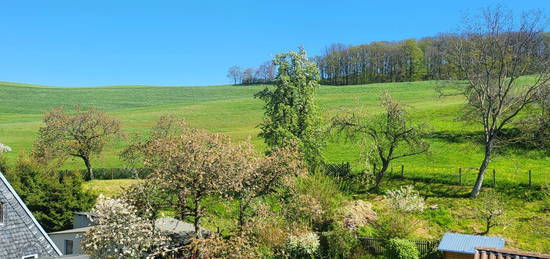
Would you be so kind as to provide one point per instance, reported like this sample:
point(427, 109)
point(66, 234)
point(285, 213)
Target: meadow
point(233, 110)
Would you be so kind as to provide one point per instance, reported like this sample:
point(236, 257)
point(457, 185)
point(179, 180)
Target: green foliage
point(396, 225)
point(416, 67)
point(291, 115)
point(440, 216)
point(402, 249)
point(3, 164)
point(51, 196)
point(314, 200)
point(366, 231)
point(339, 242)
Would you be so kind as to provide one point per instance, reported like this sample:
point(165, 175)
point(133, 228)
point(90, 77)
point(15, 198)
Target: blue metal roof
point(466, 244)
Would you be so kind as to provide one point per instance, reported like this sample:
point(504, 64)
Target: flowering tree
point(120, 233)
point(291, 114)
point(194, 165)
point(81, 134)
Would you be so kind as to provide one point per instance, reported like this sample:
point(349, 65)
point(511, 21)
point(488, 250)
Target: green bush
point(315, 200)
point(396, 225)
point(401, 249)
point(339, 242)
point(3, 164)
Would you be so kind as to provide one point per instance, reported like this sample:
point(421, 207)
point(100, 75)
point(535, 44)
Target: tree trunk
point(197, 220)
point(241, 215)
point(482, 168)
point(380, 174)
point(90, 171)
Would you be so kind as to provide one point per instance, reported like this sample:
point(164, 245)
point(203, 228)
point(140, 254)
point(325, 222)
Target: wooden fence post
point(494, 178)
point(402, 171)
point(460, 176)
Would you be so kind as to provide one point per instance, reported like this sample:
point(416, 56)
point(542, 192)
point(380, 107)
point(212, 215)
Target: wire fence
point(468, 176)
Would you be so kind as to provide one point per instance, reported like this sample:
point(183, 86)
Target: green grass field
point(234, 111)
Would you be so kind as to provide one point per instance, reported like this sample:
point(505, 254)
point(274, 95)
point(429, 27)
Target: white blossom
point(303, 244)
point(120, 233)
point(405, 199)
point(4, 148)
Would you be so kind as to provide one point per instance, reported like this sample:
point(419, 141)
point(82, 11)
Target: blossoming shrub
point(304, 245)
point(356, 214)
point(405, 199)
point(120, 233)
point(4, 148)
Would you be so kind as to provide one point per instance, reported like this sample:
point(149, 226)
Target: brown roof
point(509, 253)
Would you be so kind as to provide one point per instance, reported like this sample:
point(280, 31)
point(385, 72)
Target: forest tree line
point(384, 61)
point(378, 62)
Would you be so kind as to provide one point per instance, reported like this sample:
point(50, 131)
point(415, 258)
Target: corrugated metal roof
point(466, 244)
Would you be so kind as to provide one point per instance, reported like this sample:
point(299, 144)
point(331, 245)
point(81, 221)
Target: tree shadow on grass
point(510, 141)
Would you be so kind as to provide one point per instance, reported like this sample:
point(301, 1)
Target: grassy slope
point(233, 110)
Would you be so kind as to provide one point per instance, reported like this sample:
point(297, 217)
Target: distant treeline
point(376, 62)
point(264, 74)
point(383, 61)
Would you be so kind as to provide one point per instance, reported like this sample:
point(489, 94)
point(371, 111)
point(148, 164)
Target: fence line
point(467, 176)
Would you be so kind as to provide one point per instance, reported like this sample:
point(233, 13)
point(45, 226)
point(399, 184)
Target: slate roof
point(466, 244)
point(21, 234)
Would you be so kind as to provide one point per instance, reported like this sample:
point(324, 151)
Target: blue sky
point(114, 42)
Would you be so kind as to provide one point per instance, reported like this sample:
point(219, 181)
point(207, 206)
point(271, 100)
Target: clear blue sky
point(113, 42)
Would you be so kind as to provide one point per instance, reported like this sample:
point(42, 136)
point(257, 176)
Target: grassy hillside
point(234, 111)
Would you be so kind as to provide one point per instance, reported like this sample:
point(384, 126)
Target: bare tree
point(391, 135)
point(80, 134)
point(248, 76)
point(235, 74)
point(266, 72)
point(492, 53)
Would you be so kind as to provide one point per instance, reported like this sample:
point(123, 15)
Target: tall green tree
point(52, 196)
point(416, 67)
point(291, 115)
